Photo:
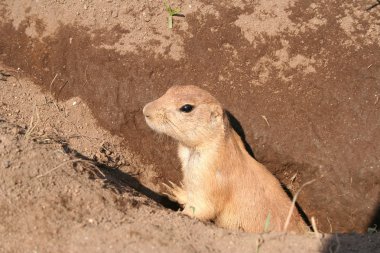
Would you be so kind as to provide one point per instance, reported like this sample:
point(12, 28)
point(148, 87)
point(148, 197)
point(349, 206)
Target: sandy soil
point(79, 164)
point(66, 187)
point(306, 75)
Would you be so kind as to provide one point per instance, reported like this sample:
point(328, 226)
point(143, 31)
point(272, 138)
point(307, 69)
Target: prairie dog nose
point(146, 111)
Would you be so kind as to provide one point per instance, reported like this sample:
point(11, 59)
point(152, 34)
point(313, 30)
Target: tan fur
point(222, 182)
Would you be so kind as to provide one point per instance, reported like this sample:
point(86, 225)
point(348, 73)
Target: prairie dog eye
point(186, 108)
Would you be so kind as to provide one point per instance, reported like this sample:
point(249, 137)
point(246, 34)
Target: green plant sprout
point(193, 209)
point(372, 230)
point(172, 12)
point(267, 223)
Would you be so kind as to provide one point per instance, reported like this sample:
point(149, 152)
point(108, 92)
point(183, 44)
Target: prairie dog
point(221, 182)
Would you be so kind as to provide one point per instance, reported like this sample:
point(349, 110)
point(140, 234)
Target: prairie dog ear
point(216, 113)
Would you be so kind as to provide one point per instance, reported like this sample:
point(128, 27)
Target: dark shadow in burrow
point(239, 130)
point(122, 181)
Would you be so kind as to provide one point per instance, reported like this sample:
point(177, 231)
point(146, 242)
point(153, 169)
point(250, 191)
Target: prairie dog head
point(189, 114)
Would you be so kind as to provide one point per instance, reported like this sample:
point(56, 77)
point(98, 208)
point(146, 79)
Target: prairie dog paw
point(175, 192)
point(189, 211)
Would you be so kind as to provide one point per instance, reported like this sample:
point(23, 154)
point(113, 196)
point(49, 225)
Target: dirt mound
point(62, 189)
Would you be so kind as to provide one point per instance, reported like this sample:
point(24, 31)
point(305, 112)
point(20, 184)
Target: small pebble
point(146, 16)
point(114, 13)
point(15, 131)
point(6, 164)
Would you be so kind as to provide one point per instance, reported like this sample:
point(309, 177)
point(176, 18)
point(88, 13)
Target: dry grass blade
point(259, 243)
point(33, 124)
point(314, 225)
point(328, 220)
point(294, 204)
point(62, 164)
point(59, 166)
point(337, 246)
point(52, 81)
point(266, 120)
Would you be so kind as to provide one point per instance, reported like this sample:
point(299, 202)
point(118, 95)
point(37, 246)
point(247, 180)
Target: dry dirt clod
point(6, 164)
point(114, 13)
point(16, 130)
point(3, 75)
point(146, 16)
